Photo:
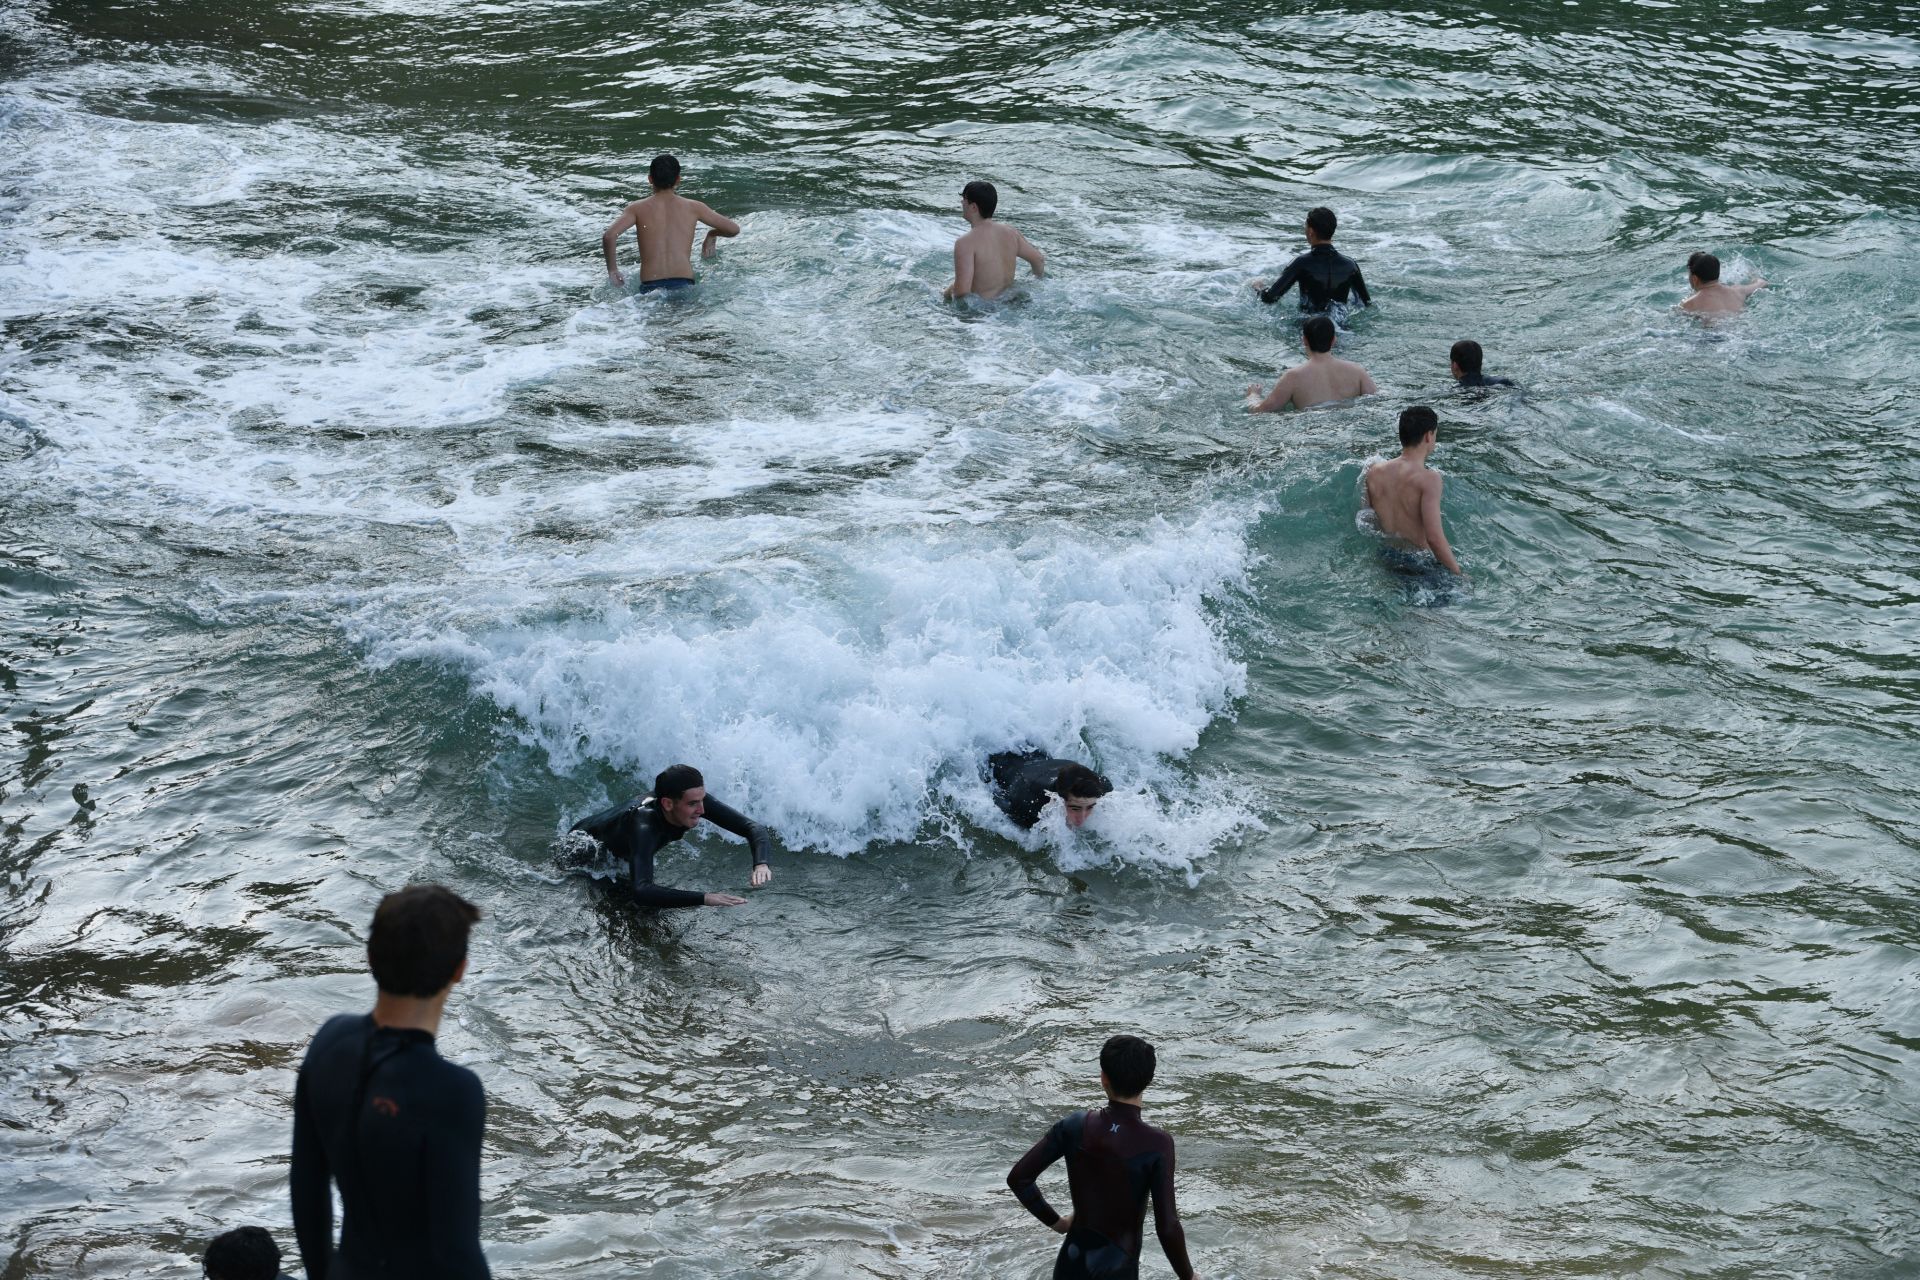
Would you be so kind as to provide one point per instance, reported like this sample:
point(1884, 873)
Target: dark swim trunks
point(1422, 579)
point(667, 282)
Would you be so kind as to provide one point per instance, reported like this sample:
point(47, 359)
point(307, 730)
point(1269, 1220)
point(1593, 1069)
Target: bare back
point(1718, 299)
point(1405, 497)
point(665, 223)
point(1323, 379)
point(983, 259)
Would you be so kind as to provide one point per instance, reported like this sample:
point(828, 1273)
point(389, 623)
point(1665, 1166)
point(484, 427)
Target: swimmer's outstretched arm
point(717, 225)
point(1034, 259)
point(759, 841)
point(1278, 289)
point(962, 271)
point(1279, 398)
point(1749, 289)
point(610, 242)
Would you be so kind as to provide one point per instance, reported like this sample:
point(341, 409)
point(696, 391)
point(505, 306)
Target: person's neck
point(1134, 1101)
point(978, 219)
point(1318, 244)
point(1417, 455)
point(409, 1013)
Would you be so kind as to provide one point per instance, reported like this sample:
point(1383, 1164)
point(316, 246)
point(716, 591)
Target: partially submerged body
point(664, 224)
point(1025, 782)
point(1404, 492)
point(1323, 379)
point(636, 831)
point(1711, 297)
point(984, 257)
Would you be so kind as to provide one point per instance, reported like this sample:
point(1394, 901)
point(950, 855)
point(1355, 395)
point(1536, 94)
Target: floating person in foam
point(1709, 296)
point(1404, 494)
point(1024, 782)
point(1465, 361)
point(1115, 1160)
point(664, 223)
point(1323, 379)
point(636, 830)
point(1327, 277)
point(983, 258)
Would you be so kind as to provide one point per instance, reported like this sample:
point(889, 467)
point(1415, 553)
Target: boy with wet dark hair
point(378, 1111)
point(983, 258)
point(244, 1253)
point(664, 223)
point(1115, 1161)
point(1404, 493)
point(1326, 276)
point(1465, 359)
point(1709, 296)
point(638, 829)
point(1323, 379)
point(1025, 782)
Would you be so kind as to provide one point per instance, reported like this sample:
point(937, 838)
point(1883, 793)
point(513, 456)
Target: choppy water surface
point(354, 532)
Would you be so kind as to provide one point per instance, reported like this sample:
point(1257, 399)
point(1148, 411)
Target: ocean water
point(354, 531)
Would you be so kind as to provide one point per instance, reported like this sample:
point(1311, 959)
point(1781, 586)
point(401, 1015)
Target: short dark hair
point(1322, 221)
point(1080, 782)
point(675, 781)
point(1467, 354)
point(244, 1253)
point(664, 171)
point(418, 939)
point(1318, 331)
point(1128, 1062)
point(1704, 265)
point(983, 195)
point(1416, 424)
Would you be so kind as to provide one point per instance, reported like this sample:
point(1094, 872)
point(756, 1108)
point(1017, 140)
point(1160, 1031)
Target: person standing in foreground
point(1115, 1160)
point(1405, 493)
point(380, 1112)
point(983, 257)
point(636, 830)
point(1325, 275)
point(1323, 379)
point(1709, 296)
point(664, 223)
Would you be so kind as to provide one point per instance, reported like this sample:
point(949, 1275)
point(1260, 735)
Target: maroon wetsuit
point(1114, 1160)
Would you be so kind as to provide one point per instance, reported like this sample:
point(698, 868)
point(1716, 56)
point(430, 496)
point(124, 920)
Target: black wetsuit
point(1325, 276)
point(1482, 380)
point(1114, 1160)
point(636, 830)
point(379, 1111)
point(1022, 781)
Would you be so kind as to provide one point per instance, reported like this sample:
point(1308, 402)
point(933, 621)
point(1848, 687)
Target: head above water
point(1321, 223)
point(1467, 357)
point(418, 943)
point(981, 196)
point(1079, 789)
point(681, 794)
point(1318, 335)
point(1704, 267)
point(664, 173)
point(1416, 424)
point(1126, 1067)
point(244, 1253)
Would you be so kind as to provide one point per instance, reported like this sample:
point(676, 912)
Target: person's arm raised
point(1751, 288)
point(1430, 526)
point(610, 243)
point(717, 225)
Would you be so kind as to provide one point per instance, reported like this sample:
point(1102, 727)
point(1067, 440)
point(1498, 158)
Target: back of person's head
point(419, 939)
point(1128, 1062)
point(1319, 334)
point(1705, 266)
point(1467, 354)
point(244, 1253)
point(1080, 782)
point(1416, 424)
point(1322, 221)
point(663, 172)
point(982, 196)
point(675, 781)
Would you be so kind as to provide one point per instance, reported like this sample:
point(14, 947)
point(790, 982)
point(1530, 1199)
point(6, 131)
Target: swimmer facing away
point(1024, 782)
point(1115, 1160)
point(1709, 296)
point(664, 224)
point(1325, 275)
point(983, 258)
point(1405, 493)
point(1464, 361)
point(1323, 379)
point(635, 831)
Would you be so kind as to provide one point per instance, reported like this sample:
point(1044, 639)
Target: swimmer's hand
point(1064, 1225)
point(761, 874)
point(709, 247)
point(619, 280)
point(725, 900)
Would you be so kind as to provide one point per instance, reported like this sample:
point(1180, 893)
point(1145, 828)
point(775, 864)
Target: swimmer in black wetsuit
point(1024, 781)
point(636, 830)
point(1465, 359)
point(1325, 275)
point(380, 1112)
point(244, 1253)
point(1115, 1160)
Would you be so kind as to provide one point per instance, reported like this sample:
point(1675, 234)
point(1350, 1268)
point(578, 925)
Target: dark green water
point(352, 532)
